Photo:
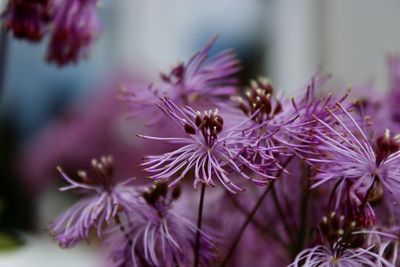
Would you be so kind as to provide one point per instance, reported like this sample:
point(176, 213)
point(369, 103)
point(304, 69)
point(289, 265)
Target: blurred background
point(53, 116)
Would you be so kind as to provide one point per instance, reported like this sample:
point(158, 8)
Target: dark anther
point(176, 192)
point(339, 229)
point(189, 129)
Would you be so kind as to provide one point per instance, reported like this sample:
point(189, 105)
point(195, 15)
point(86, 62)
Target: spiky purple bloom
point(326, 256)
point(76, 26)
point(200, 82)
point(27, 19)
point(98, 208)
point(208, 148)
point(342, 244)
point(345, 151)
point(158, 236)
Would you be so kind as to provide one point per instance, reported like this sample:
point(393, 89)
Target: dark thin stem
point(244, 226)
point(199, 222)
point(263, 229)
point(281, 213)
point(304, 215)
point(251, 215)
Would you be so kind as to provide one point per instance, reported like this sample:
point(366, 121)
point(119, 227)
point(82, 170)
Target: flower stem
point(199, 222)
point(281, 214)
point(244, 226)
point(236, 240)
point(123, 230)
point(263, 229)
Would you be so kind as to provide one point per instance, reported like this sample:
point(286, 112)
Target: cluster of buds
point(210, 124)
point(159, 196)
point(340, 231)
point(103, 170)
point(258, 99)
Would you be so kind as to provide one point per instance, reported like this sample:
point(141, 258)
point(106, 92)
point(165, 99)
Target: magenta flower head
point(158, 236)
point(208, 148)
point(345, 152)
point(99, 206)
point(27, 19)
point(342, 243)
point(201, 82)
point(76, 26)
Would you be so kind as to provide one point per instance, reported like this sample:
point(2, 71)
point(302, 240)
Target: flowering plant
point(309, 180)
point(311, 175)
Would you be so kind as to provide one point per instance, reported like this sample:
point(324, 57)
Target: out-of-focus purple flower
point(158, 236)
point(201, 82)
point(371, 107)
point(208, 148)
point(73, 26)
point(345, 152)
point(102, 203)
point(76, 26)
point(342, 244)
point(78, 126)
point(27, 19)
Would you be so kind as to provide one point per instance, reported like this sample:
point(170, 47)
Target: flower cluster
point(73, 25)
point(268, 167)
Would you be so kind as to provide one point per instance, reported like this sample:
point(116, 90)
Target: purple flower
point(101, 204)
point(200, 82)
point(345, 152)
point(312, 102)
point(27, 19)
point(158, 236)
point(207, 148)
point(342, 244)
point(337, 257)
point(76, 26)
